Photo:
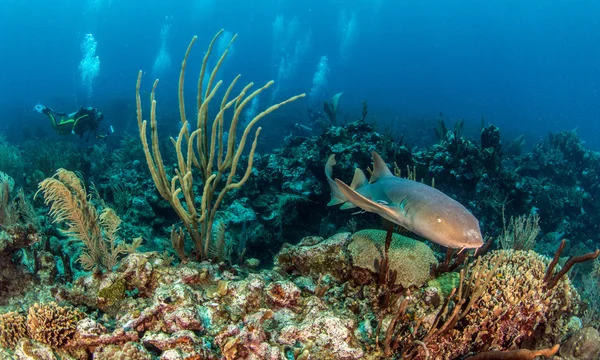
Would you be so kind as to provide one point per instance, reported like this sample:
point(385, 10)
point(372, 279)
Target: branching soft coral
point(68, 200)
point(15, 209)
point(214, 156)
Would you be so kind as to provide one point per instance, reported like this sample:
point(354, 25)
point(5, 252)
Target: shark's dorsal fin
point(359, 180)
point(380, 169)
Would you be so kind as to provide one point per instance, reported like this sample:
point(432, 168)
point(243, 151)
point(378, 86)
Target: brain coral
point(516, 309)
point(412, 259)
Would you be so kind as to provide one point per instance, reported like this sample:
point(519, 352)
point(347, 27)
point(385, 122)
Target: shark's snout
point(473, 238)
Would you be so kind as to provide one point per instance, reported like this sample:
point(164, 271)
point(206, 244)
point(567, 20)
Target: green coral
point(445, 283)
point(113, 293)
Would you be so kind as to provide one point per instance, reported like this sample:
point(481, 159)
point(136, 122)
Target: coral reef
point(205, 309)
point(201, 286)
point(325, 297)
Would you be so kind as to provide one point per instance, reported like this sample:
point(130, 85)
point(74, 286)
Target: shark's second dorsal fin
point(359, 180)
point(380, 169)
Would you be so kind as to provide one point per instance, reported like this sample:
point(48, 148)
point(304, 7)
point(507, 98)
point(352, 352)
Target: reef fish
point(417, 207)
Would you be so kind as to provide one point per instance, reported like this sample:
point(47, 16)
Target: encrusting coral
point(128, 351)
point(585, 345)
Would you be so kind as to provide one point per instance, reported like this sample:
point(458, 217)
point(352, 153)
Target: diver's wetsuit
point(80, 122)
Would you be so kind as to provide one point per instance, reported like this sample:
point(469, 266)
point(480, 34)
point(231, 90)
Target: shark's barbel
point(417, 207)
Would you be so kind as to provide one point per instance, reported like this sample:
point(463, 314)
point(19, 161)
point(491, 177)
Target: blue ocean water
point(527, 66)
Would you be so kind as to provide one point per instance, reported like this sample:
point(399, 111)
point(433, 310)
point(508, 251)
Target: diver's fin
point(359, 179)
point(336, 196)
point(380, 169)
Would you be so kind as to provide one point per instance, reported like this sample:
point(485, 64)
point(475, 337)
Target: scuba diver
point(82, 121)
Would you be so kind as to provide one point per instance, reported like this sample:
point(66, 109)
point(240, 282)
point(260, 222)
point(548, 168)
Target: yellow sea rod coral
point(52, 324)
point(12, 329)
point(516, 310)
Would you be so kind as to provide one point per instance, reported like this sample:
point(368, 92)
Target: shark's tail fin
point(337, 197)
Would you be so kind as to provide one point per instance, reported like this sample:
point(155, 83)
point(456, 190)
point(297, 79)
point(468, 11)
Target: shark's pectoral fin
point(366, 204)
point(347, 205)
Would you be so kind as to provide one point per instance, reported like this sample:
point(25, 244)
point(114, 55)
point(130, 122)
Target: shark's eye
point(439, 220)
